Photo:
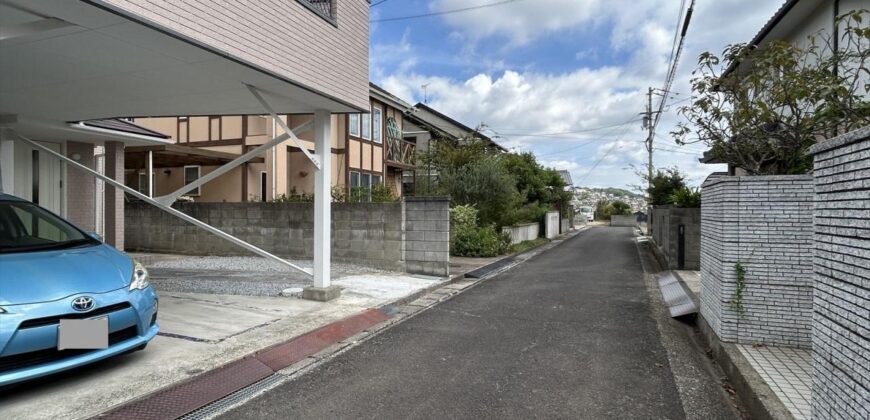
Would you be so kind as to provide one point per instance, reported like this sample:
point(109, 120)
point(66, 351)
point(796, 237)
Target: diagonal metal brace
point(170, 198)
point(162, 206)
point(287, 130)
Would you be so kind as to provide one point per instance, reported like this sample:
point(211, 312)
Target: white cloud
point(517, 103)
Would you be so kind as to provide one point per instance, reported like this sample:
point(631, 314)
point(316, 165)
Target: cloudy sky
point(564, 79)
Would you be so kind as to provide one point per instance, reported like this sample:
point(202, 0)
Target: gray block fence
point(841, 304)
point(766, 224)
point(412, 235)
point(666, 222)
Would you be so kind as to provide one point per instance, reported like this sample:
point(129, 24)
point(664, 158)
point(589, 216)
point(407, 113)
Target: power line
point(444, 12)
point(507, 131)
point(590, 141)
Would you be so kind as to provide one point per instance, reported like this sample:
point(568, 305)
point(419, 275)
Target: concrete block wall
point(667, 221)
point(765, 223)
point(841, 302)
point(427, 235)
point(522, 232)
point(407, 236)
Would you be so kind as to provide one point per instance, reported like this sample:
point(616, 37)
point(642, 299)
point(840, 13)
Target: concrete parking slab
point(241, 324)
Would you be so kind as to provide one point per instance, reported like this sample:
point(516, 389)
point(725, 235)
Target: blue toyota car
point(66, 298)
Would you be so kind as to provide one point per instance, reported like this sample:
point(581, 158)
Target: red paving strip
point(177, 400)
point(282, 355)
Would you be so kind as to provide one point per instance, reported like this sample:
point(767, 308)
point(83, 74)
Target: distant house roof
point(566, 176)
point(385, 96)
point(124, 126)
point(453, 128)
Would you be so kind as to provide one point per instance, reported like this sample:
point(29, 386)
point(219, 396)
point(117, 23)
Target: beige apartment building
point(367, 149)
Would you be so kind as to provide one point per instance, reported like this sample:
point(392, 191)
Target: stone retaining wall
point(766, 224)
point(841, 305)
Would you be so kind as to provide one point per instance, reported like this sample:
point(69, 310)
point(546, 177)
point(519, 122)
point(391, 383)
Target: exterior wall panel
point(280, 36)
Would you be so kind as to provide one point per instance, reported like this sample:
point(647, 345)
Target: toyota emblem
point(83, 303)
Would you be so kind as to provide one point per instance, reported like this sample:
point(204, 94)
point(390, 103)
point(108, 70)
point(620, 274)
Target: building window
point(353, 122)
point(367, 126)
point(365, 185)
point(323, 8)
point(376, 180)
point(263, 185)
point(191, 173)
point(143, 183)
point(377, 125)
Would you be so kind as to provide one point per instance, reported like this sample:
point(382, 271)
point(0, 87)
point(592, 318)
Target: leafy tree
point(687, 197)
point(604, 209)
point(484, 183)
point(779, 99)
point(663, 185)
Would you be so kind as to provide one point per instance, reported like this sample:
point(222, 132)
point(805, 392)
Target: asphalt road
point(571, 333)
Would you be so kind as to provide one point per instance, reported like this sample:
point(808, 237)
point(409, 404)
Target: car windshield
point(26, 227)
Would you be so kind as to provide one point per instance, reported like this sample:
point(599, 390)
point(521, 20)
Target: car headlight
point(139, 279)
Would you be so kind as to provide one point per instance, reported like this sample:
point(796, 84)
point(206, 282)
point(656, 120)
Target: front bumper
point(28, 333)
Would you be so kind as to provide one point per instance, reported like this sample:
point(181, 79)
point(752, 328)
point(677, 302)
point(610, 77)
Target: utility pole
point(648, 124)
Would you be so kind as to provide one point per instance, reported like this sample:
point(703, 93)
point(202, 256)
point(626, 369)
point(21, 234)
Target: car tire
point(140, 348)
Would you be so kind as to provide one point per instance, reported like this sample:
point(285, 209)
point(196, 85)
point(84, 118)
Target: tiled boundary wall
point(412, 235)
point(666, 222)
point(764, 223)
point(841, 304)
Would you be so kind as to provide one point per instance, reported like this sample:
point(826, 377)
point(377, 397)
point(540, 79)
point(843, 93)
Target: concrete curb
point(757, 397)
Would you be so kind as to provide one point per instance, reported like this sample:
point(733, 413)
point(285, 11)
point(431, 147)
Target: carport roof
point(64, 61)
point(173, 156)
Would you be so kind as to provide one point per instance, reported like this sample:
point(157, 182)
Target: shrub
point(470, 240)
point(687, 197)
point(382, 193)
point(474, 241)
point(339, 194)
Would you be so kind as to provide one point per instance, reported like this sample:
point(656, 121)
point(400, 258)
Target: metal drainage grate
point(676, 298)
point(236, 398)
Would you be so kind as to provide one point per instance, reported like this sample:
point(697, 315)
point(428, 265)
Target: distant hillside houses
point(589, 196)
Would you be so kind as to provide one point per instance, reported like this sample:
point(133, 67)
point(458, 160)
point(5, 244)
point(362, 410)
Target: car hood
point(33, 277)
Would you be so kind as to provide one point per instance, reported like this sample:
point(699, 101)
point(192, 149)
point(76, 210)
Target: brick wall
point(411, 236)
point(281, 36)
point(841, 304)
point(80, 196)
point(765, 223)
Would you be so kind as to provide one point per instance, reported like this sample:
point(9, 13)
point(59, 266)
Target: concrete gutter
point(755, 395)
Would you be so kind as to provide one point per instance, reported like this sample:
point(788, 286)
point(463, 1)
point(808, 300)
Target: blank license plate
point(83, 334)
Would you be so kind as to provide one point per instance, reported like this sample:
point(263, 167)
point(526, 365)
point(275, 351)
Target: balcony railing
point(400, 152)
point(325, 8)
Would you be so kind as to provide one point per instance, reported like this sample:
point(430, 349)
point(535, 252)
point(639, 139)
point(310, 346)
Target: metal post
point(322, 200)
point(150, 171)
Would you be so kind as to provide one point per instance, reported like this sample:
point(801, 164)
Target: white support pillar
point(150, 173)
point(7, 164)
point(323, 290)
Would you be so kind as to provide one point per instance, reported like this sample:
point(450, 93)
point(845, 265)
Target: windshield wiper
point(75, 243)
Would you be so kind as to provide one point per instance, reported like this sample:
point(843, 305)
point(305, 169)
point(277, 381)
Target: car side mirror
point(96, 236)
